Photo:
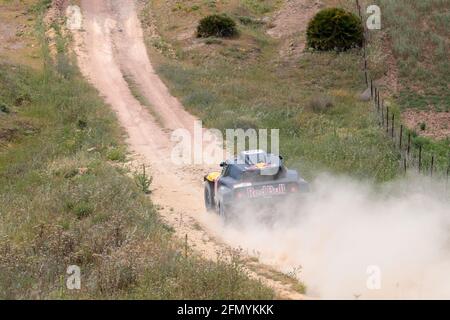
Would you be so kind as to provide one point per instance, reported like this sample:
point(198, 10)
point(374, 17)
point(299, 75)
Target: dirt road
point(109, 47)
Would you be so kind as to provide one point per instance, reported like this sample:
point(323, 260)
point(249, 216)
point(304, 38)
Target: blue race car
point(253, 178)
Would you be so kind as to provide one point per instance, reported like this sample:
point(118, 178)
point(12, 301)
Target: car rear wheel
point(208, 197)
point(222, 210)
point(225, 212)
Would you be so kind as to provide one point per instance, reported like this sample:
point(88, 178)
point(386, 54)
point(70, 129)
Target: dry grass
point(17, 43)
point(320, 104)
point(414, 41)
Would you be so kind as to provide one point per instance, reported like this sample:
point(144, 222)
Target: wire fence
point(412, 155)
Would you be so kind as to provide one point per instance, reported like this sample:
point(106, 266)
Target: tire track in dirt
point(111, 45)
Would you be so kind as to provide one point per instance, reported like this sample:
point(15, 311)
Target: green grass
point(418, 32)
point(414, 36)
point(243, 83)
point(63, 202)
point(343, 139)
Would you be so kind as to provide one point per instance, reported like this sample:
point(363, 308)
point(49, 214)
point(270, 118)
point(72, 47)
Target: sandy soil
point(290, 25)
point(109, 45)
point(437, 124)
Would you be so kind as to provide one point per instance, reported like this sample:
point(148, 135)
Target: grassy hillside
point(251, 82)
point(244, 82)
point(418, 33)
point(410, 60)
point(66, 199)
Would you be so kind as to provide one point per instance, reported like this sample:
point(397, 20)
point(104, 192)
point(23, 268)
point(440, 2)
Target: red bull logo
point(265, 191)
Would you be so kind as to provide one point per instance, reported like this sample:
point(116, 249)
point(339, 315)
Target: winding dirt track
point(110, 46)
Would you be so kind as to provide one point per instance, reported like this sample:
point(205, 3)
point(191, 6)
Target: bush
point(335, 29)
point(216, 26)
point(423, 126)
point(4, 108)
point(116, 154)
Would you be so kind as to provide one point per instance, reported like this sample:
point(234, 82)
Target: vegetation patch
point(216, 26)
point(4, 108)
point(116, 154)
point(415, 35)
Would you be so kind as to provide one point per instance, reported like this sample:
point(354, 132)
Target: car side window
point(225, 171)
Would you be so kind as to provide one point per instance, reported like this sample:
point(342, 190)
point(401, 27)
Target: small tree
point(216, 26)
point(335, 29)
point(4, 108)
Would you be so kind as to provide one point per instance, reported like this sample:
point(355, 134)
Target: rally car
point(254, 177)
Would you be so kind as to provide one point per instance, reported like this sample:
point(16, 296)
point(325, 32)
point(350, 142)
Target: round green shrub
point(335, 29)
point(216, 26)
point(4, 108)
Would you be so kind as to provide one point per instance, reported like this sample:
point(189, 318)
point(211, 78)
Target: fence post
point(359, 9)
point(364, 44)
point(401, 137)
point(446, 183)
point(448, 172)
point(371, 88)
point(387, 119)
point(420, 158)
point(393, 124)
point(432, 165)
point(409, 143)
point(378, 107)
point(382, 112)
point(405, 167)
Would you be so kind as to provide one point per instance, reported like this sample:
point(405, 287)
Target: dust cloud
point(351, 239)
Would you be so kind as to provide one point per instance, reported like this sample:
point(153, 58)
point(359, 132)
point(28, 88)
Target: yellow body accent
point(261, 165)
point(212, 176)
